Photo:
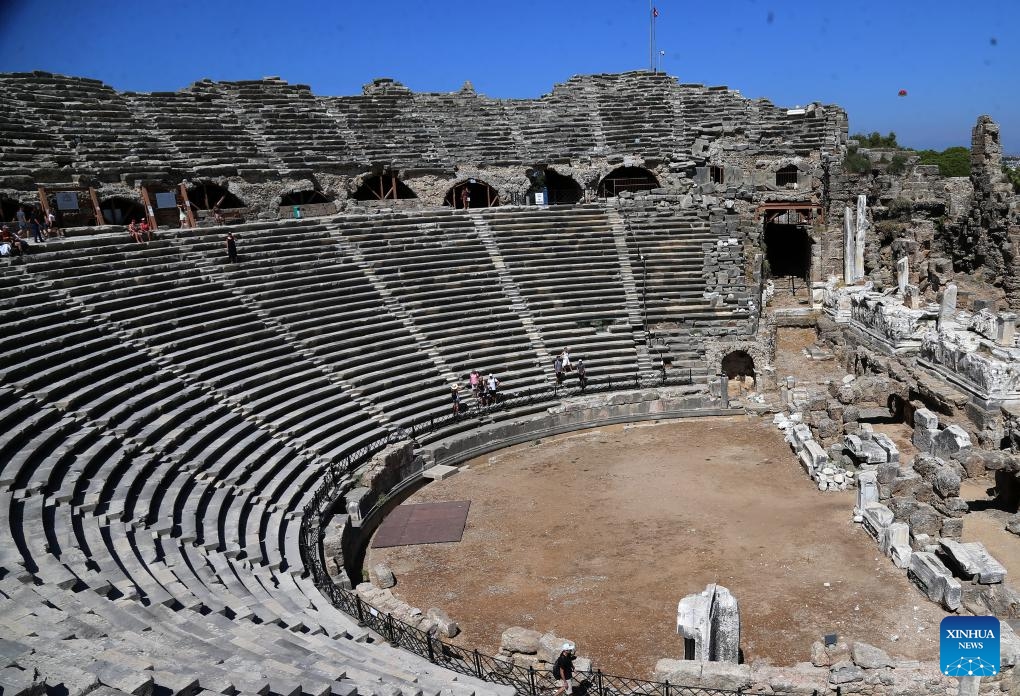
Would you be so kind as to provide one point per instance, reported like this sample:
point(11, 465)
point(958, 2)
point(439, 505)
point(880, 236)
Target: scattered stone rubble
point(525, 647)
point(841, 668)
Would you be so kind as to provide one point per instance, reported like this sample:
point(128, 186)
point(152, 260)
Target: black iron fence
point(495, 669)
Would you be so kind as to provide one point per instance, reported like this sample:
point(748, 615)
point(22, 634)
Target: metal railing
point(497, 670)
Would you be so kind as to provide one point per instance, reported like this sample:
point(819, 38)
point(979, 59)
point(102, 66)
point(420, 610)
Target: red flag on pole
point(655, 12)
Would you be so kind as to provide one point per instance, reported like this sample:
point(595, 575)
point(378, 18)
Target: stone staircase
point(634, 304)
point(510, 288)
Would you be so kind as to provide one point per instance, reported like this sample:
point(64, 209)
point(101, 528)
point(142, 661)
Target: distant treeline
point(953, 161)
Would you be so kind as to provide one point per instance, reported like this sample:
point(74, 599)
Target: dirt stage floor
point(596, 535)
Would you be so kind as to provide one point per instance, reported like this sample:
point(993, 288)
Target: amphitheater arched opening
point(738, 366)
point(206, 196)
point(626, 179)
point(383, 187)
point(119, 210)
point(9, 209)
point(562, 189)
point(305, 203)
point(788, 248)
point(472, 193)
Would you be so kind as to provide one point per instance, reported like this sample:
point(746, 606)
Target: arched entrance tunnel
point(626, 179)
point(121, 211)
point(562, 189)
point(383, 187)
point(738, 366)
point(206, 196)
point(305, 197)
point(479, 195)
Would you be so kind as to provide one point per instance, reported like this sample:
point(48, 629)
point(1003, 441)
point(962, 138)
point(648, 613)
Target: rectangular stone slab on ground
point(425, 523)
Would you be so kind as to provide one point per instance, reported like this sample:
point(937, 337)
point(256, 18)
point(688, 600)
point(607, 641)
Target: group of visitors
point(140, 231)
point(484, 389)
point(41, 225)
point(562, 364)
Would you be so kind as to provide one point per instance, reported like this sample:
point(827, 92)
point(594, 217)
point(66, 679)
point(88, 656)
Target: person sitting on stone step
point(133, 230)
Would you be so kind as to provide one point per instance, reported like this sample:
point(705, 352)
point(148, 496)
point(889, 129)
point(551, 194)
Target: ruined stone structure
point(168, 418)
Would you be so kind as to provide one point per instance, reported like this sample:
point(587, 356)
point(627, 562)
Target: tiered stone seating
point(305, 280)
point(168, 415)
point(636, 111)
point(443, 276)
point(566, 264)
point(58, 127)
point(174, 564)
point(99, 133)
point(205, 135)
point(201, 329)
point(673, 285)
point(391, 125)
point(293, 124)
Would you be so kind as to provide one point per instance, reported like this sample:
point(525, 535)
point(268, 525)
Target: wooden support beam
point(95, 206)
point(43, 202)
point(150, 214)
point(187, 206)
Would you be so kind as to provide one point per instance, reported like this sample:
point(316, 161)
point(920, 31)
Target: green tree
point(856, 162)
point(1014, 177)
point(876, 139)
point(953, 161)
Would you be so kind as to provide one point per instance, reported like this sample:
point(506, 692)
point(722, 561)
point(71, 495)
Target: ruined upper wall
point(56, 128)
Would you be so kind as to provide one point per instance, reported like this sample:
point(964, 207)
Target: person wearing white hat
point(563, 670)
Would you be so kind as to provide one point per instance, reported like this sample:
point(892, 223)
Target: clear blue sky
point(957, 59)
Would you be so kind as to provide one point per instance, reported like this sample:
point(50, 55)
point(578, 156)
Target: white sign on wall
point(67, 200)
point(166, 200)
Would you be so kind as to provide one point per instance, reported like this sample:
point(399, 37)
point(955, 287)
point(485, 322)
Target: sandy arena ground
point(596, 535)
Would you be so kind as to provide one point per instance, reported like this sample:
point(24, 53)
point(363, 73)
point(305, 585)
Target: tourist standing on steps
point(22, 220)
point(465, 198)
point(231, 247)
point(36, 228)
point(182, 215)
point(492, 388)
point(558, 369)
point(475, 379)
point(563, 670)
point(565, 357)
point(582, 376)
point(455, 397)
point(51, 225)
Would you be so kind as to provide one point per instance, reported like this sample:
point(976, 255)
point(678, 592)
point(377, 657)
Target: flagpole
point(651, 35)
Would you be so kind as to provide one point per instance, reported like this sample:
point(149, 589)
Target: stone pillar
point(849, 274)
point(859, 240)
point(902, 274)
point(710, 624)
point(1005, 329)
point(948, 306)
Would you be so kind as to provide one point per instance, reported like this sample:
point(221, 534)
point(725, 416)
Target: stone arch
point(738, 365)
point(787, 176)
point(304, 197)
point(382, 187)
point(206, 195)
point(626, 179)
point(758, 351)
point(120, 210)
point(562, 189)
point(480, 194)
point(9, 209)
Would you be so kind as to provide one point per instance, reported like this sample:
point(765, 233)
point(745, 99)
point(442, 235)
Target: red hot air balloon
point(903, 92)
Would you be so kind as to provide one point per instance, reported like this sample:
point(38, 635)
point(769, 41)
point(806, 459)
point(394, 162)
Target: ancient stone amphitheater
point(180, 433)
